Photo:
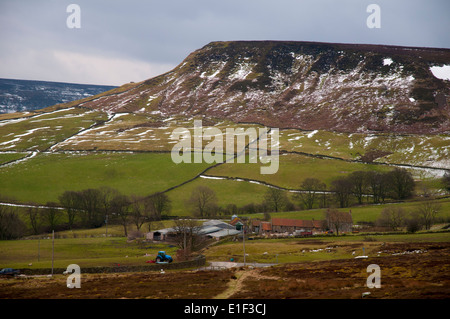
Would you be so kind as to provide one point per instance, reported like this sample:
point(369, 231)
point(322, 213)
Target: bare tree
point(187, 235)
point(34, 214)
point(311, 187)
point(90, 200)
point(139, 211)
point(120, 208)
point(377, 186)
point(158, 204)
point(342, 188)
point(359, 182)
point(11, 226)
point(106, 194)
point(392, 217)
point(275, 199)
point(446, 180)
point(338, 221)
point(202, 201)
point(427, 212)
point(52, 215)
point(71, 201)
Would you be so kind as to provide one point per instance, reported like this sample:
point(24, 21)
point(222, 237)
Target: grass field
point(86, 252)
point(293, 169)
point(7, 157)
point(227, 192)
point(46, 176)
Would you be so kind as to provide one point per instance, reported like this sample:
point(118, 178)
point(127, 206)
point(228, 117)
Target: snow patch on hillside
point(441, 72)
point(387, 61)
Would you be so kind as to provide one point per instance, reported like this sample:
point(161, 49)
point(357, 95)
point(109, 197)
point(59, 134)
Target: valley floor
point(405, 274)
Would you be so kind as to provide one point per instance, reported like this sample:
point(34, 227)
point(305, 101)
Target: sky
point(121, 41)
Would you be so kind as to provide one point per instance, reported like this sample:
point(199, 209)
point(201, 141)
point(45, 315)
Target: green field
point(85, 252)
point(227, 192)
point(46, 176)
point(293, 169)
point(8, 157)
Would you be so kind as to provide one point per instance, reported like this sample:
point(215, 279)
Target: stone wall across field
point(197, 262)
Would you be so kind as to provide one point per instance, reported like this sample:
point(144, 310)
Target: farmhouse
point(283, 225)
point(335, 221)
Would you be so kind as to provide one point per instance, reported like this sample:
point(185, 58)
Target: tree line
point(88, 208)
point(358, 186)
point(373, 186)
point(94, 207)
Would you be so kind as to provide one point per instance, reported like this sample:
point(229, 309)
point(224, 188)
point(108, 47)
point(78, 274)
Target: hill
point(340, 108)
point(26, 95)
point(301, 85)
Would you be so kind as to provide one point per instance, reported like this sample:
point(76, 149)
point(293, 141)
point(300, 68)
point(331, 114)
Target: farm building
point(236, 222)
point(160, 235)
point(261, 227)
point(337, 221)
point(284, 225)
point(212, 229)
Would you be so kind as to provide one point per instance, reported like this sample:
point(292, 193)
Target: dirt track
point(411, 271)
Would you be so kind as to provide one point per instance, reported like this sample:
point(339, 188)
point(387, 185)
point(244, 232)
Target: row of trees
point(378, 186)
point(93, 207)
point(396, 184)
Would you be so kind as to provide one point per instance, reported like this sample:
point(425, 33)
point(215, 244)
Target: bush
point(413, 225)
point(369, 238)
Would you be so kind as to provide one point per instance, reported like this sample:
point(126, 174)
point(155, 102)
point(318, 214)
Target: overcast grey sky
point(129, 40)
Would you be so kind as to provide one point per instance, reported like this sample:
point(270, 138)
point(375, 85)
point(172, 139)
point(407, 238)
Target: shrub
point(413, 225)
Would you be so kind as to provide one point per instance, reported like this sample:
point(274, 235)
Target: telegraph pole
point(53, 248)
point(243, 240)
point(185, 244)
point(106, 224)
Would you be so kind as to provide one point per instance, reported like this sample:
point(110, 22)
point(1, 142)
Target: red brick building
point(284, 225)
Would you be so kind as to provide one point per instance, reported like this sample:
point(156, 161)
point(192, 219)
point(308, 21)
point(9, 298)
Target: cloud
point(67, 66)
point(99, 69)
point(122, 41)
